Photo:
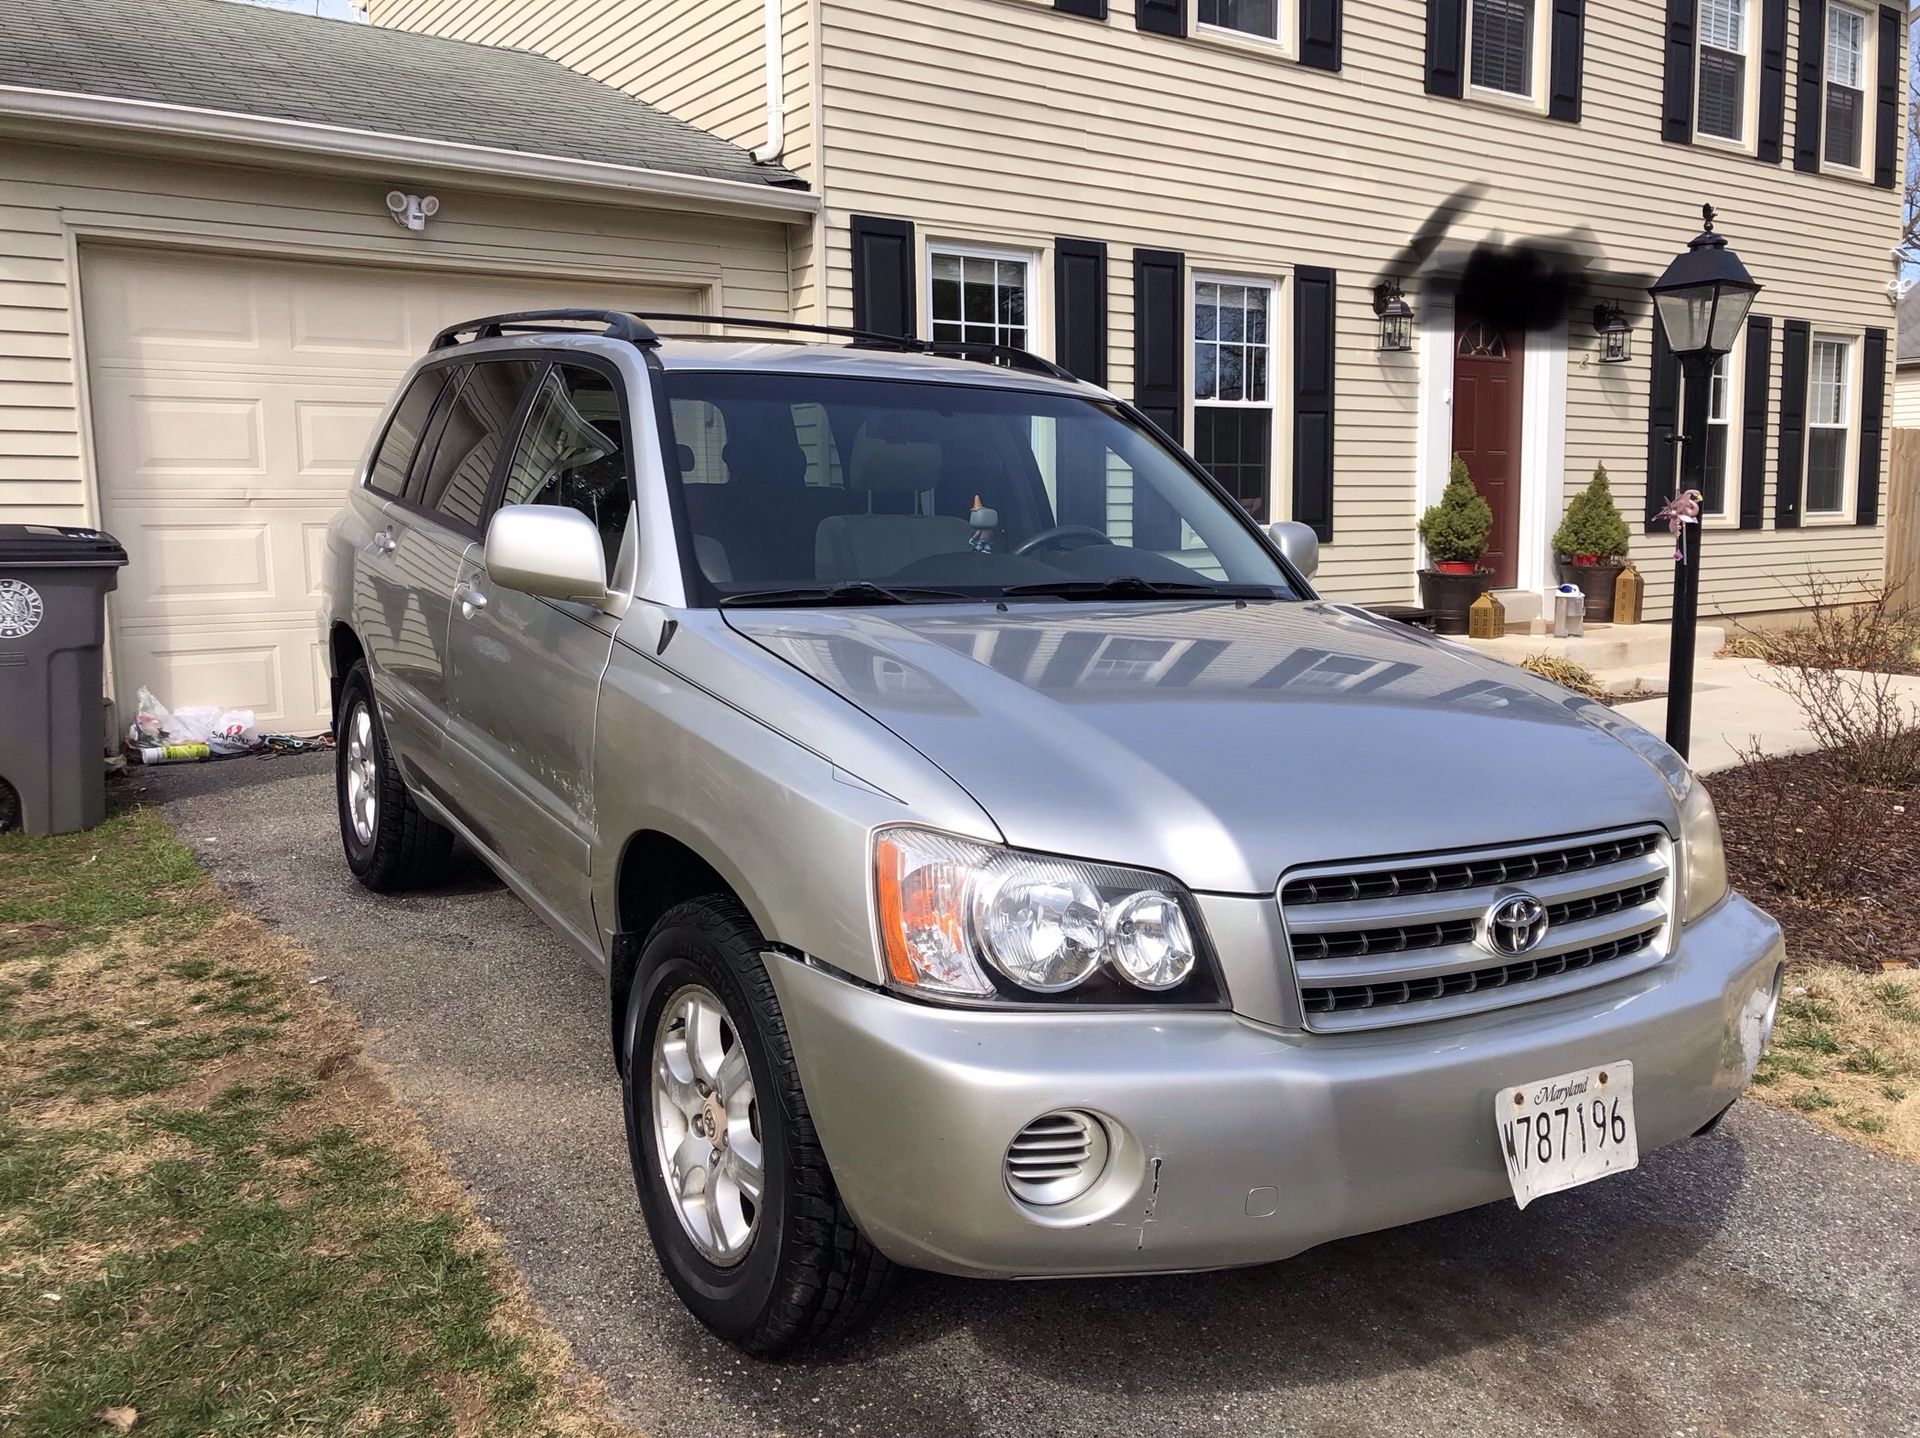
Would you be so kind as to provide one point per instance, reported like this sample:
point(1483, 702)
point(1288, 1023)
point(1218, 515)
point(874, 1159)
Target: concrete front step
point(1610, 648)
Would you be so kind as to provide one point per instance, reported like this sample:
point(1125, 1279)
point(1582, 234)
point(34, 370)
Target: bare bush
point(1840, 667)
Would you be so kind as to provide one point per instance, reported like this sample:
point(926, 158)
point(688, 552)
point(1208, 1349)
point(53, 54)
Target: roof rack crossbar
point(620, 325)
point(636, 327)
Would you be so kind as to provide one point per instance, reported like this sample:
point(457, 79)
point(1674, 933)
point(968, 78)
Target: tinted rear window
point(389, 473)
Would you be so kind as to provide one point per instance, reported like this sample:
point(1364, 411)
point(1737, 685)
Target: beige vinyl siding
point(54, 199)
point(1002, 121)
point(1906, 397)
point(701, 60)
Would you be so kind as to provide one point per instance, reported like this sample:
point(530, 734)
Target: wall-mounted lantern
point(1616, 335)
point(1396, 317)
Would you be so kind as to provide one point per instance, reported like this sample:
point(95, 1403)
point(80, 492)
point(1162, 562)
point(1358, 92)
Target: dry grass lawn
point(215, 1217)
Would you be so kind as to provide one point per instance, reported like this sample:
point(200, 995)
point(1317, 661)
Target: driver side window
point(572, 452)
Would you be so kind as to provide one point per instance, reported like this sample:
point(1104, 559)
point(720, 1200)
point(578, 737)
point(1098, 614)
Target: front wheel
point(738, 1199)
point(390, 844)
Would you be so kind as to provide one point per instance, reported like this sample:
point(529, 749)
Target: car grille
point(1404, 940)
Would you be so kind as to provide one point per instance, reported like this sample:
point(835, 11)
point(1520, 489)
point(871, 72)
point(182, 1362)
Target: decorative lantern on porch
point(1486, 617)
point(1629, 593)
point(1396, 317)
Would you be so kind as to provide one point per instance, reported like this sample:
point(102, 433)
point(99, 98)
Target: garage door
point(232, 399)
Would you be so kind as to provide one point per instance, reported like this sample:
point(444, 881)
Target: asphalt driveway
point(1765, 1279)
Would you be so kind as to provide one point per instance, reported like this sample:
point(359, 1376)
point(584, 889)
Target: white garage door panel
point(232, 400)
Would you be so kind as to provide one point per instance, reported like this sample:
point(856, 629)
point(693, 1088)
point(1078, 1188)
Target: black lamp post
point(1702, 301)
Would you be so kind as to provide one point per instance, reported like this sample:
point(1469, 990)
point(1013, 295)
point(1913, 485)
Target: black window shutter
point(1162, 17)
point(1873, 407)
point(1676, 104)
point(1446, 46)
point(883, 291)
point(1320, 23)
point(1564, 59)
point(1089, 9)
point(1791, 465)
point(1773, 78)
point(1753, 422)
point(1663, 422)
point(1806, 102)
point(1080, 308)
point(1159, 376)
point(1886, 117)
point(1315, 292)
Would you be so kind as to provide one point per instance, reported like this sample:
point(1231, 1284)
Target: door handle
point(471, 599)
point(384, 542)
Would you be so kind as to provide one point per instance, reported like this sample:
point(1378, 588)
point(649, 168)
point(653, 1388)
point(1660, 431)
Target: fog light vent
point(1056, 1158)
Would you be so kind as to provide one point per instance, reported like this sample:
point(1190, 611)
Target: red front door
point(1487, 425)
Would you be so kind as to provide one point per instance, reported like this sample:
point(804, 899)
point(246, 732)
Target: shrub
point(1455, 530)
point(1592, 523)
point(1808, 828)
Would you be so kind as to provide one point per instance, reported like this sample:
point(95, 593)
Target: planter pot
point(1595, 581)
point(1450, 596)
point(1455, 566)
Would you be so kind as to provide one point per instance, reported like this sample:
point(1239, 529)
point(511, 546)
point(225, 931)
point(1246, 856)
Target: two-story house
point(1195, 202)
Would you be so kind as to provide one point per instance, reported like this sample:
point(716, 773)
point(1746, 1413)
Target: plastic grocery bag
point(151, 720)
point(224, 731)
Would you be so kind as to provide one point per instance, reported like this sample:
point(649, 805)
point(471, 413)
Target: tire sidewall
point(733, 1300)
point(356, 692)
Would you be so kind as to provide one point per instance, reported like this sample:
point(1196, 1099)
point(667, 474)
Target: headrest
point(881, 463)
point(774, 461)
point(684, 457)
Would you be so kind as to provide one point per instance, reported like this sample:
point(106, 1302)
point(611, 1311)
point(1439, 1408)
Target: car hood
point(1219, 743)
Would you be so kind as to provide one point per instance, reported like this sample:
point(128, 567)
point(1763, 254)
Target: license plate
point(1562, 1132)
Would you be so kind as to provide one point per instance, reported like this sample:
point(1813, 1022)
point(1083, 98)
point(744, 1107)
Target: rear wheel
point(739, 1201)
point(390, 843)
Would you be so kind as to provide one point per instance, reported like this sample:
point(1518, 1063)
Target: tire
point(801, 1271)
point(390, 844)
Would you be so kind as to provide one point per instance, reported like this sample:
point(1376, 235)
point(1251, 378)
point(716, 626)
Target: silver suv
point(1001, 861)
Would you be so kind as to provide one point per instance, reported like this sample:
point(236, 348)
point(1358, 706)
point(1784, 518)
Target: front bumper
point(1246, 1144)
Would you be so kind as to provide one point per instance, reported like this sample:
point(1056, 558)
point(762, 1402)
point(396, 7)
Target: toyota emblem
point(1515, 924)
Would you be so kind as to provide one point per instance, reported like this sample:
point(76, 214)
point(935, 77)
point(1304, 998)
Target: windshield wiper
point(1131, 586)
point(856, 591)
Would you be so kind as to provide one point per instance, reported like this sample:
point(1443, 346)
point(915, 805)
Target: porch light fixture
point(1396, 317)
point(1616, 335)
point(1702, 301)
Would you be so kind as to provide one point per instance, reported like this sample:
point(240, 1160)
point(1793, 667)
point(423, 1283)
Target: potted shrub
point(1455, 533)
point(1590, 546)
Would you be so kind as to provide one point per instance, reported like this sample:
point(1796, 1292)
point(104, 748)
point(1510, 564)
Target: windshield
point(803, 488)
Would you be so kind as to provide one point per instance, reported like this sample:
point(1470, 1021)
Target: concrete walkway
point(1735, 707)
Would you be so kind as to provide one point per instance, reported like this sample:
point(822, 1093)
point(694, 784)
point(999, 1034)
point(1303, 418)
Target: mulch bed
point(1837, 862)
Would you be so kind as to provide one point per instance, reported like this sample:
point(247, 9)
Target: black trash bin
point(53, 627)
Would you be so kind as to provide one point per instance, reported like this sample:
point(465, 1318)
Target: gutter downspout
point(771, 58)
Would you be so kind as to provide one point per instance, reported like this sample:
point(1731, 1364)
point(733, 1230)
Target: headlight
point(970, 921)
point(1703, 859)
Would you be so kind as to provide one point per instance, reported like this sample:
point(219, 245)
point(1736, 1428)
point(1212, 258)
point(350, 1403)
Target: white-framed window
point(1830, 388)
point(1721, 103)
point(1846, 120)
point(1503, 48)
point(1720, 481)
point(1234, 380)
point(979, 294)
point(1259, 19)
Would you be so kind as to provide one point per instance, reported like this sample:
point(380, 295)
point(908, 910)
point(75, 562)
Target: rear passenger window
point(572, 452)
point(473, 429)
point(388, 475)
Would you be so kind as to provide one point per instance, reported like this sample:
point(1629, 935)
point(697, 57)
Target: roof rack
point(636, 328)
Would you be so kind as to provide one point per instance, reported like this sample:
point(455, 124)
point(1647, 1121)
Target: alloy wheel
point(706, 1125)
point(363, 774)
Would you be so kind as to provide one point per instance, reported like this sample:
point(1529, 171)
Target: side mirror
point(548, 550)
point(1299, 543)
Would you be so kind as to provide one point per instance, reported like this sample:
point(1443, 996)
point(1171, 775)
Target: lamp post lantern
point(1702, 301)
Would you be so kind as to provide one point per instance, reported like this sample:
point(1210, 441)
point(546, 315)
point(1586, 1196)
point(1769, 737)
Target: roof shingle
point(257, 61)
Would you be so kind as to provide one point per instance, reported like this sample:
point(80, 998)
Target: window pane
point(1235, 446)
point(476, 426)
point(1723, 24)
point(978, 299)
point(1717, 392)
point(1826, 461)
point(1503, 45)
point(1206, 304)
point(1723, 92)
point(389, 473)
point(1846, 48)
point(572, 453)
point(1827, 384)
point(1715, 486)
point(1205, 381)
point(1251, 17)
point(1230, 372)
point(1844, 110)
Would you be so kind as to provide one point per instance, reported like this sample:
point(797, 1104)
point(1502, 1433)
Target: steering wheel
point(1058, 534)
